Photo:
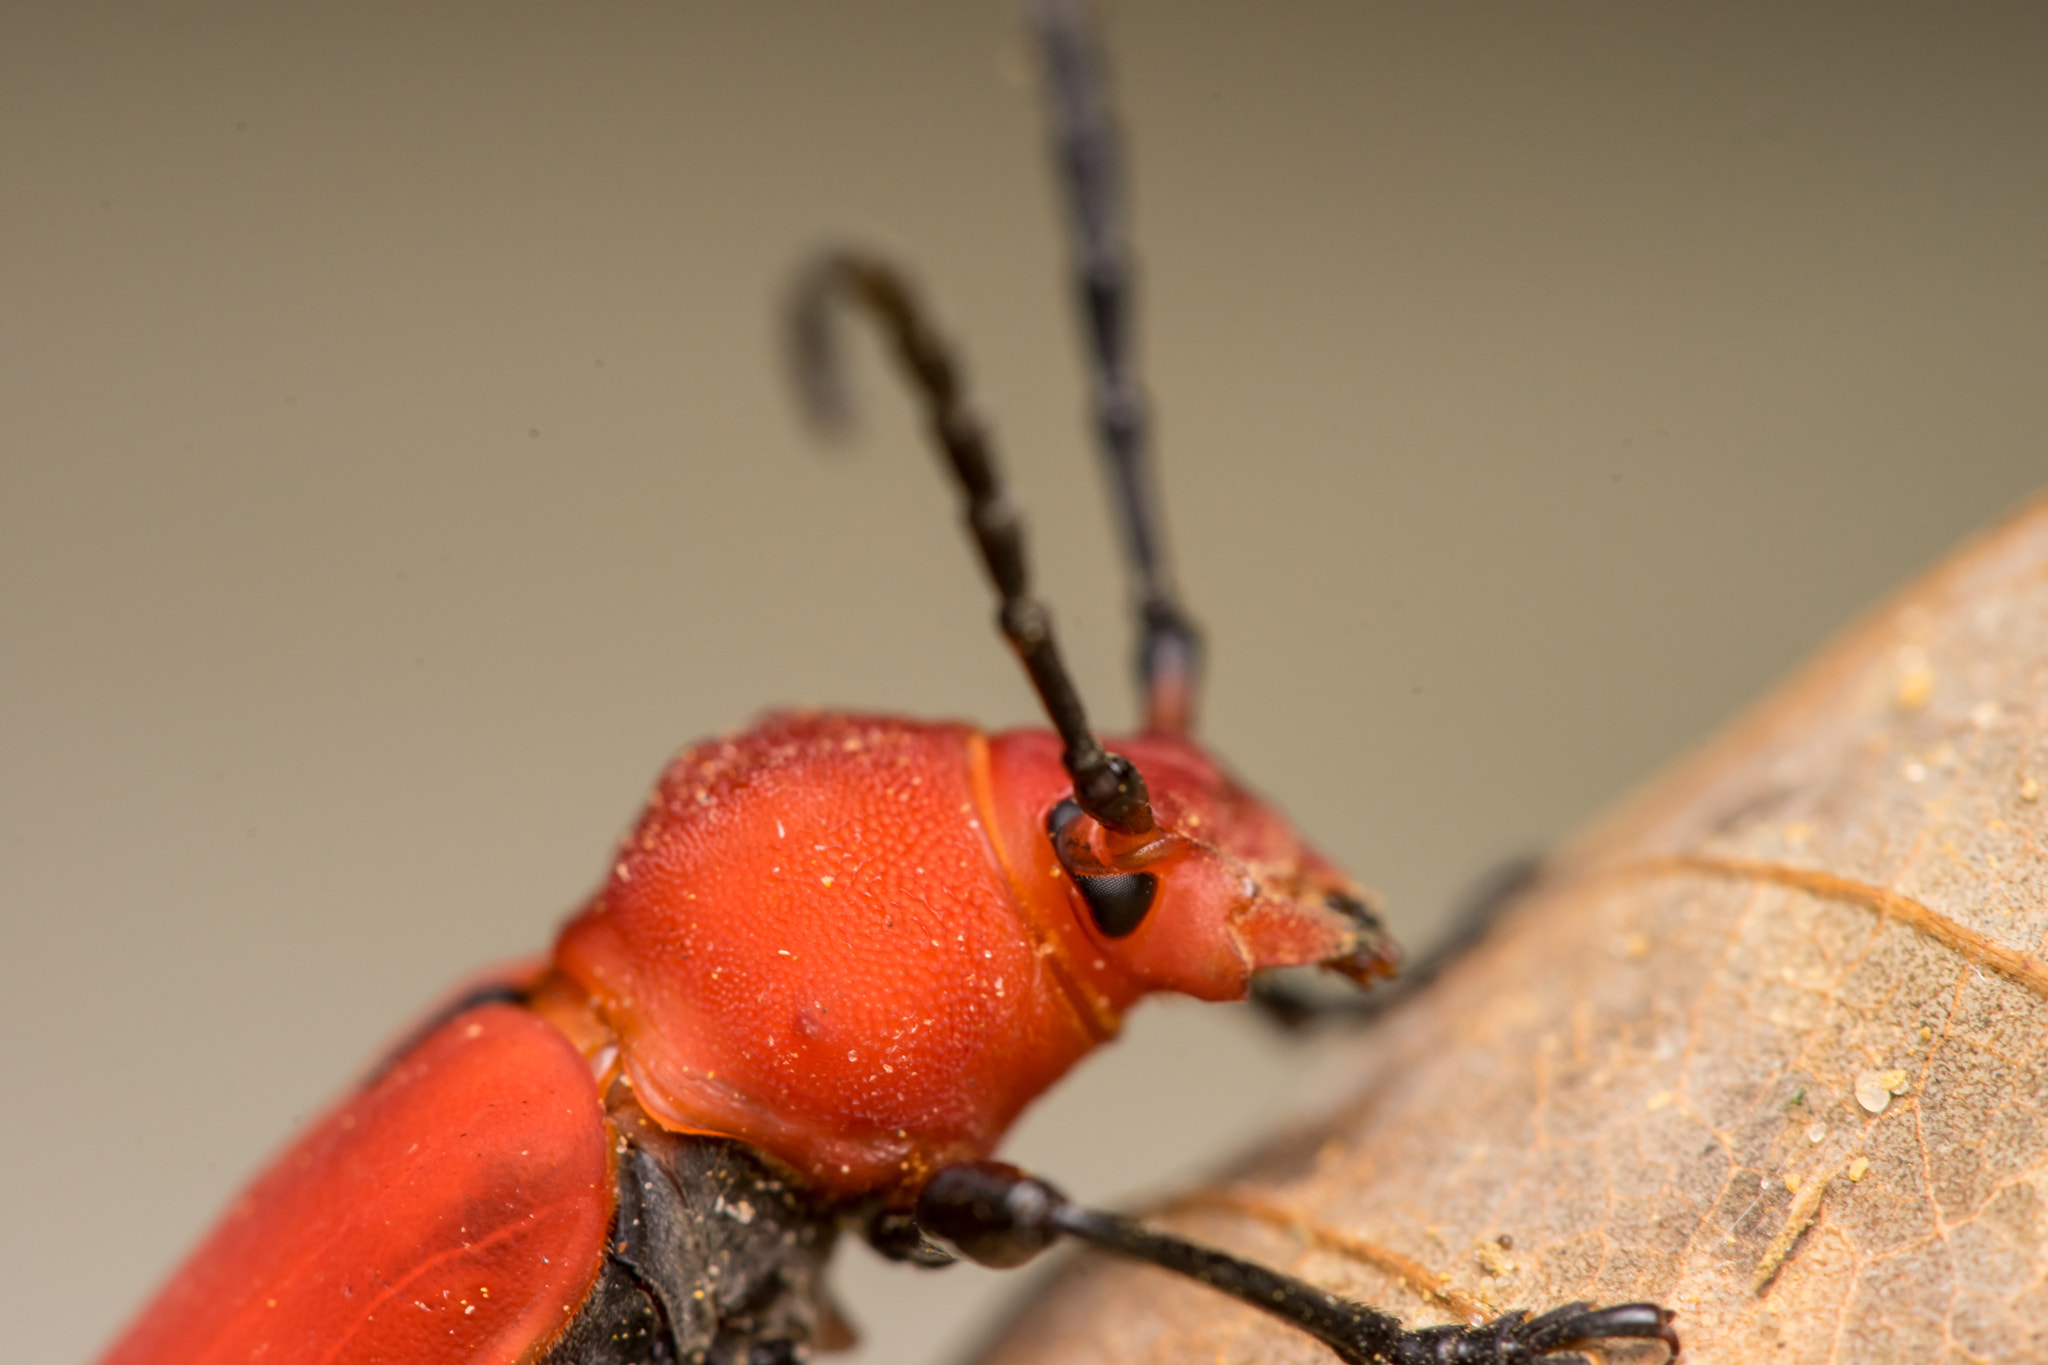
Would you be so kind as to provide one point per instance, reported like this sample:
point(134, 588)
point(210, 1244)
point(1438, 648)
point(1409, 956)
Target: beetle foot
point(1516, 1338)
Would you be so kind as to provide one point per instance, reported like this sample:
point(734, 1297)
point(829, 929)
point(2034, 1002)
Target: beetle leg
point(999, 1216)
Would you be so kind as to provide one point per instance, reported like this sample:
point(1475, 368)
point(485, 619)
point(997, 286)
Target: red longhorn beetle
point(830, 965)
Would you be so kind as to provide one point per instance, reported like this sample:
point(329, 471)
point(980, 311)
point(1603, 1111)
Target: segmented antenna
point(1088, 153)
point(1106, 785)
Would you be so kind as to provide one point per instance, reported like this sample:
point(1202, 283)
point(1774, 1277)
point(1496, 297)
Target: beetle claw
point(1518, 1338)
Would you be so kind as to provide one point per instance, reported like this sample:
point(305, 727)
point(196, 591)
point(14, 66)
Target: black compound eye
point(1119, 901)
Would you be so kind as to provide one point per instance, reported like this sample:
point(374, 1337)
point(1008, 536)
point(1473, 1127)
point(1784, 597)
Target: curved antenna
point(1106, 786)
point(1086, 147)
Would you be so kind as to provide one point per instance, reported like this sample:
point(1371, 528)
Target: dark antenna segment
point(1089, 155)
point(1106, 785)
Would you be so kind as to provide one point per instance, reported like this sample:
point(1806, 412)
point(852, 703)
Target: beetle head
point(1220, 888)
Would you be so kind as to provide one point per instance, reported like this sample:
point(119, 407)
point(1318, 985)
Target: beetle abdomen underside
point(713, 1257)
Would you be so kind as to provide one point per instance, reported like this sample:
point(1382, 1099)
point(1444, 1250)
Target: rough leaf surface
point(1766, 1046)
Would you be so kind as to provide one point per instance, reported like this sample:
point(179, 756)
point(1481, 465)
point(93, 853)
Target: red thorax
point(848, 941)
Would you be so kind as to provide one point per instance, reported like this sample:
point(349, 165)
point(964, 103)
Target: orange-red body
point(844, 940)
point(453, 1210)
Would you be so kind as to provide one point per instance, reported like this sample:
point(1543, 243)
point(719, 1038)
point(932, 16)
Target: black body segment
point(714, 1257)
point(619, 1324)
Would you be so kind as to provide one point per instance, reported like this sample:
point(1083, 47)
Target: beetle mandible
point(836, 957)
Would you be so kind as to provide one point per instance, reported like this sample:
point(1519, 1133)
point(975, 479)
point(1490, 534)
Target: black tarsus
point(1089, 156)
point(999, 1216)
point(1106, 785)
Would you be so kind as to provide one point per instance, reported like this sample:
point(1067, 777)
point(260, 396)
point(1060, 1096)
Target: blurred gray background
point(397, 469)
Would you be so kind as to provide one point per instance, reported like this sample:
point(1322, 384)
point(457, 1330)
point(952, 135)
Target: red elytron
point(446, 1213)
point(834, 960)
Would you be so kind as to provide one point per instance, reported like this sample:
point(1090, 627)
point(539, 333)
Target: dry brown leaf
point(1767, 1046)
